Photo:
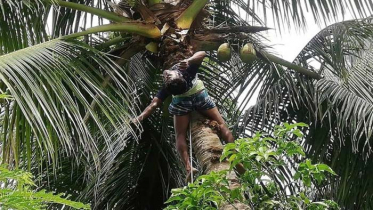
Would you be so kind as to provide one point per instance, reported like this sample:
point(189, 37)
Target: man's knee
point(222, 125)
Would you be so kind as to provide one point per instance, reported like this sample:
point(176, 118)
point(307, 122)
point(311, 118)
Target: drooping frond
point(67, 21)
point(25, 23)
point(22, 24)
point(53, 85)
point(341, 53)
point(151, 163)
point(285, 13)
point(339, 106)
point(225, 13)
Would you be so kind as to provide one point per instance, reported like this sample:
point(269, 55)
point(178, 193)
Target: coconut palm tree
point(338, 107)
point(74, 88)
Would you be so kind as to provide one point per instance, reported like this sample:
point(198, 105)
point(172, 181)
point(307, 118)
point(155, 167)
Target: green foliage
point(339, 106)
point(306, 170)
point(16, 193)
point(62, 97)
point(207, 192)
point(5, 96)
point(264, 185)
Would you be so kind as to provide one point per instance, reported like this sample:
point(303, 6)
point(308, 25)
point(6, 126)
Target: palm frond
point(224, 13)
point(340, 52)
point(285, 13)
point(22, 24)
point(67, 21)
point(150, 163)
point(339, 106)
point(53, 85)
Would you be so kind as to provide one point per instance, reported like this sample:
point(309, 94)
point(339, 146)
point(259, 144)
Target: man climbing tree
point(188, 94)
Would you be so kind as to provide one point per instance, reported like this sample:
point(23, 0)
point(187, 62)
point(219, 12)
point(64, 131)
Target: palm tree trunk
point(208, 149)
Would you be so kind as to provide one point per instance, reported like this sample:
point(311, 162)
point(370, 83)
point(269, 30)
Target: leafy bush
point(16, 193)
point(276, 176)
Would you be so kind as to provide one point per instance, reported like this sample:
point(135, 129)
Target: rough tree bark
point(208, 149)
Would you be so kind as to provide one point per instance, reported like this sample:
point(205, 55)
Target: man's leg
point(181, 125)
point(214, 114)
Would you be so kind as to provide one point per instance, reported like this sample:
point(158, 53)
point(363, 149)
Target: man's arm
point(197, 58)
point(156, 102)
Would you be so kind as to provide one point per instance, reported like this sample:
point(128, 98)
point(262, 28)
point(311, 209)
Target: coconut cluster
point(247, 53)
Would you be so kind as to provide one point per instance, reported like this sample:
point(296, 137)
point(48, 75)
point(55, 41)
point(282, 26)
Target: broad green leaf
point(323, 167)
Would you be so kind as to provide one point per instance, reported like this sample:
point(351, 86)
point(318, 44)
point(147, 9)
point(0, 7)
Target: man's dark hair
point(176, 86)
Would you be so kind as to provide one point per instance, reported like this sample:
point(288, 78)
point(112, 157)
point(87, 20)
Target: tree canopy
point(74, 89)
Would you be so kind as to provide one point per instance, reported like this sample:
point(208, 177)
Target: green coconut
point(152, 47)
point(224, 52)
point(248, 53)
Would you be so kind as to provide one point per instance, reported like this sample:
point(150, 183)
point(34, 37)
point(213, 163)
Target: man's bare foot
point(189, 174)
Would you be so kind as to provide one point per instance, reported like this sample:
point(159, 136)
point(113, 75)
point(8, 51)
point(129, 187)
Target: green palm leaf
point(22, 24)
point(67, 21)
point(285, 13)
point(339, 106)
point(152, 162)
point(53, 85)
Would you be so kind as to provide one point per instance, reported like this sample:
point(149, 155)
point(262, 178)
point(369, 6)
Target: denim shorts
point(184, 105)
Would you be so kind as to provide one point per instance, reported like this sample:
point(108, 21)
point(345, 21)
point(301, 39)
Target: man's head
point(174, 82)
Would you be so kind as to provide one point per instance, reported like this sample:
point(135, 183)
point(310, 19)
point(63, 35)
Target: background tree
point(73, 98)
point(338, 107)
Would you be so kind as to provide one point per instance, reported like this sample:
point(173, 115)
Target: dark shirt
point(189, 75)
